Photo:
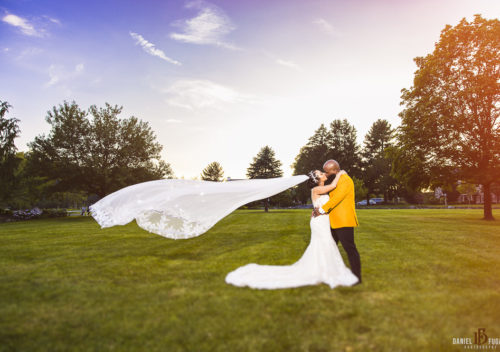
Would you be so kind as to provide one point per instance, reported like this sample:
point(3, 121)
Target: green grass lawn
point(428, 276)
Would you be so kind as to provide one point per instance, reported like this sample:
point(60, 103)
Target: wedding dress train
point(320, 263)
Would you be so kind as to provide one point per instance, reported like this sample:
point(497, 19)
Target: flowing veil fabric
point(183, 208)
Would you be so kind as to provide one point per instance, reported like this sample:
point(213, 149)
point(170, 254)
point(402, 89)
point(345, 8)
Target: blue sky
point(218, 80)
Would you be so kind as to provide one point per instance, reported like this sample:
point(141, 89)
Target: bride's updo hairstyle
point(313, 179)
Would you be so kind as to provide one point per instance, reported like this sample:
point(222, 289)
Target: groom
point(342, 214)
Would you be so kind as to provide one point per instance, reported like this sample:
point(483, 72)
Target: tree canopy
point(9, 161)
point(96, 151)
point(213, 172)
point(376, 164)
point(265, 165)
point(337, 142)
point(450, 126)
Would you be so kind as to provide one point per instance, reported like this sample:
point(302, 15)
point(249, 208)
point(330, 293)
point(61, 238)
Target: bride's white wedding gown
point(320, 263)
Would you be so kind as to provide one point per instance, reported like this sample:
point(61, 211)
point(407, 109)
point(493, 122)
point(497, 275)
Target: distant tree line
point(449, 138)
point(87, 153)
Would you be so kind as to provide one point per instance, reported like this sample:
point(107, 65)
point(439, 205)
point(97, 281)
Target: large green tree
point(315, 152)
point(96, 151)
point(450, 123)
point(311, 157)
point(343, 146)
point(9, 161)
point(265, 165)
point(408, 168)
point(376, 164)
point(28, 190)
point(213, 172)
point(338, 143)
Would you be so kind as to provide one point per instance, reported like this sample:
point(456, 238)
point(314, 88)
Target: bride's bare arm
point(327, 188)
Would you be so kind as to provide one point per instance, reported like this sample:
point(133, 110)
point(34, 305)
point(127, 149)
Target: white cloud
point(54, 77)
point(279, 61)
point(197, 94)
point(289, 64)
point(151, 49)
point(326, 27)
point(23, 25)
point(29, 53)
point(58, 74)
point(53, 20)
point(208, 27)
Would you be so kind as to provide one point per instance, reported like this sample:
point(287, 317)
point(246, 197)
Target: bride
point(320, 263)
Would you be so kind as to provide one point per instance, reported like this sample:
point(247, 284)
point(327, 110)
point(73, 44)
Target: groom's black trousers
point(346, 236)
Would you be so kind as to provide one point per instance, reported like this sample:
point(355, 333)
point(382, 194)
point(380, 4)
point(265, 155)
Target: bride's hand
point(342, 172)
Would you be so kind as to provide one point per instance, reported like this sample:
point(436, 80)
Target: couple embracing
point(332, 221)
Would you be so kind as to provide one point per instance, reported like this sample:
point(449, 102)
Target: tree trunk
point(368, 198)
point(488, 214)
point(266, 206)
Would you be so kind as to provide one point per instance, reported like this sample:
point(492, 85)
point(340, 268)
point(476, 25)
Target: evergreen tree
point(265, 165)
point(311, 157)
point(376, 164)
point(338, 142)
point(213, 172)
point(344, 148)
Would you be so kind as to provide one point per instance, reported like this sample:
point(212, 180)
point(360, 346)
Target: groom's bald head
point(331, 167)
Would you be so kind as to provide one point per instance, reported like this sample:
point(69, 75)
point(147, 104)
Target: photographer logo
point(481, 341)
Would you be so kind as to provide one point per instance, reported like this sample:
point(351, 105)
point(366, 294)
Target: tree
point(265, 165)
point(28, 189)
point(450, 122)
point(408, 169)
point(310, 157)
point(9, 161)
point(344, 148)
point(213, 172)
point(376, 164)
point(98, 155)
point(338, 142)
point(359, 188)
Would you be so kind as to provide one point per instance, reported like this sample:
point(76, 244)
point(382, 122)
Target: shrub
point(27, 214)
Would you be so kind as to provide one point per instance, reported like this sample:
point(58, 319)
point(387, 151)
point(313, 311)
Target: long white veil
point(183, 208)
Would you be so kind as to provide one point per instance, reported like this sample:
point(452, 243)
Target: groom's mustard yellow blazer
point(341, 207)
